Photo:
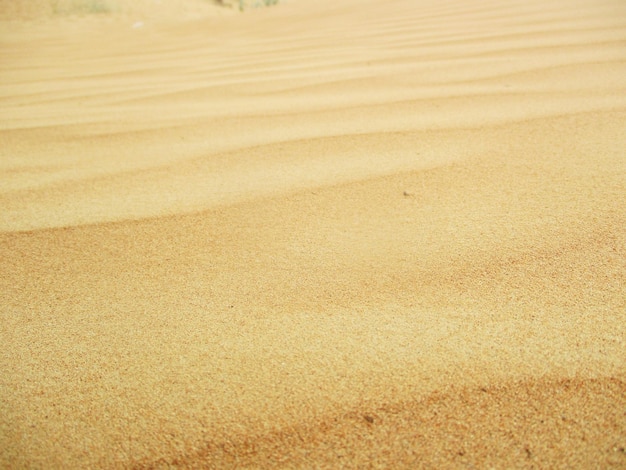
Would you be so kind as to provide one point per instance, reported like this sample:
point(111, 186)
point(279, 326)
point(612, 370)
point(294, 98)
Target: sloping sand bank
point(317, 235)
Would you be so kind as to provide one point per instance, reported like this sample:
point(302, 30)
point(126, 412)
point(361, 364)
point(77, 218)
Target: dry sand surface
point(356, 233)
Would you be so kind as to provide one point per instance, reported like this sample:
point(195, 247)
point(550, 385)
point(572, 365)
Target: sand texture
point(322, 234)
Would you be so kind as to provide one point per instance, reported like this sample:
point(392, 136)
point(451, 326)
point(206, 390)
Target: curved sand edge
point(571, 422)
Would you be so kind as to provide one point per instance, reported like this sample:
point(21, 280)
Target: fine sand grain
point(357, 233)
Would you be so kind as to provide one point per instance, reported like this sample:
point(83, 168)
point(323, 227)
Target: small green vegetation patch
point(247, 4)
point(83, 7)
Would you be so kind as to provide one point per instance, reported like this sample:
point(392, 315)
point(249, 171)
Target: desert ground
point(320, 234)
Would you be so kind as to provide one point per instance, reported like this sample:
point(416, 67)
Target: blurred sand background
point(356, 233)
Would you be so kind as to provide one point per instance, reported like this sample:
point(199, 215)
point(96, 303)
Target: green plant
point(82, 7)
point(243, 4)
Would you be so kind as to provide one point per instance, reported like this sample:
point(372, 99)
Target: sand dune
point(321, 234)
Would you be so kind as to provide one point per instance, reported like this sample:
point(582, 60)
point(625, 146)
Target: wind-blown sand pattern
point(323, 234)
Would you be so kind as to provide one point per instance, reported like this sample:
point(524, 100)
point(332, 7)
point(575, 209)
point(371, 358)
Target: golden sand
point(318, 235)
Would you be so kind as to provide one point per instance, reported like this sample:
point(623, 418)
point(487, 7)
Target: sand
point(317, 235)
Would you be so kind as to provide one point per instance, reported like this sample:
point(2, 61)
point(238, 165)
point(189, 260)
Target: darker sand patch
point(530, 424)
